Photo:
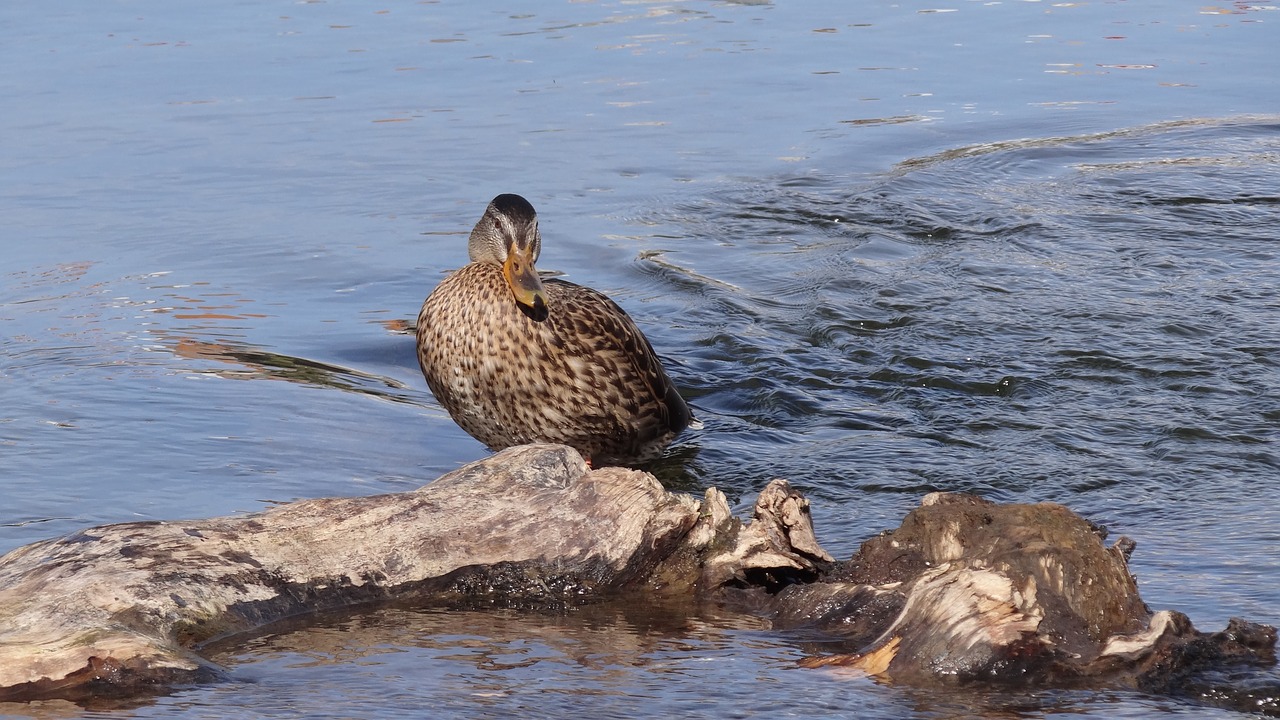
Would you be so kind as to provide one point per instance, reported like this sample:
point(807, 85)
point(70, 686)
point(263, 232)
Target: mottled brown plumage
point(515, 359)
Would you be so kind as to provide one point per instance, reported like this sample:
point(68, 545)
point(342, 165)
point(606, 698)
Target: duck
point(515, 358)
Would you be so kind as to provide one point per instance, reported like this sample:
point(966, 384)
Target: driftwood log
point(964, 591)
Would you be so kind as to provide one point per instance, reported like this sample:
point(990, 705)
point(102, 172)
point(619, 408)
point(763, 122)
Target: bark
point(963, 591)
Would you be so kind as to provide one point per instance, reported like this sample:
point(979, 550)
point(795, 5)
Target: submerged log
point(964, 590)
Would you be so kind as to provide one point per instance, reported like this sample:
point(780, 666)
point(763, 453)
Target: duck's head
point(507, 236)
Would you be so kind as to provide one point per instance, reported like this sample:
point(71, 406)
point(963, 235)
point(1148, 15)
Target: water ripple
point(1033, 318)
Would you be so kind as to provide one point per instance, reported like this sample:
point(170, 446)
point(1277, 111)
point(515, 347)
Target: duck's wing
point(601, 326)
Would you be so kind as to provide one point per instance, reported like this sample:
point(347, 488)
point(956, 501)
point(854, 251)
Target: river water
point(1024, 249)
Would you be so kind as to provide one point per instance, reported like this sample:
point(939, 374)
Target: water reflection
point(250, 363)
point(204, 326)
point(616, 656)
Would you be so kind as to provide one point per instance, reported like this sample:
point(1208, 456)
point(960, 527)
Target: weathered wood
point(966, 590)
point(963, 591)
point(119, 607)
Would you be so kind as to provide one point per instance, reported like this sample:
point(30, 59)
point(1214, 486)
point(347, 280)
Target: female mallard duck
point(516, 359)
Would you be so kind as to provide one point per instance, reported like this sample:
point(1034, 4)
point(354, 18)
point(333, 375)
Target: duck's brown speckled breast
point(585, 376)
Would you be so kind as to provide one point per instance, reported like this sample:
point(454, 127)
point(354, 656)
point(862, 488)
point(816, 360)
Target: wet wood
point(963, 591)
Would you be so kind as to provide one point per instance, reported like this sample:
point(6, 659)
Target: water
point(1024, 249)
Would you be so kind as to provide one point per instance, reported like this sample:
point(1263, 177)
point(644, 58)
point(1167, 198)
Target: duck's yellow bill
point(525, 284)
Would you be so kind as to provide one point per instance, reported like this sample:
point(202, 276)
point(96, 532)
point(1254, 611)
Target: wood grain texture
point(123, 604)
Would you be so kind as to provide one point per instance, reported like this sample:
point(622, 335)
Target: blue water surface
point(1025, 249)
